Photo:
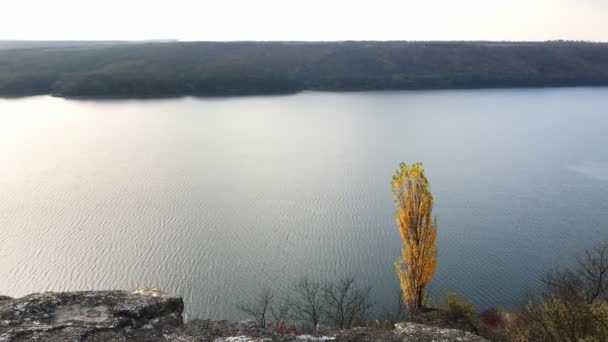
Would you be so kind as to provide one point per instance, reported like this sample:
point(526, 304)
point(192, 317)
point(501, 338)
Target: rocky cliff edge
point(153, 315)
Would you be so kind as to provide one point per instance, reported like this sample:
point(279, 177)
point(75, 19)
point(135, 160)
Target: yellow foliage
point(418, 261)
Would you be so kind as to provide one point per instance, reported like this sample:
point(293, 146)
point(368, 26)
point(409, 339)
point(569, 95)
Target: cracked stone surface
point(81, 316)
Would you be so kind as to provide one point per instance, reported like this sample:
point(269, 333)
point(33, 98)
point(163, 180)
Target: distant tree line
point(215, 68)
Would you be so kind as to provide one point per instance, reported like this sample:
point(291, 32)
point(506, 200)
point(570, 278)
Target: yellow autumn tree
point(418, 230)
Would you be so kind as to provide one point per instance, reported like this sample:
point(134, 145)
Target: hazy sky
point(305, 19)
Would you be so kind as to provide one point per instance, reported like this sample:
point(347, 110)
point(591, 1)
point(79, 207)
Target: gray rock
point(84, 316)
point(224, 331)
point(419, 332)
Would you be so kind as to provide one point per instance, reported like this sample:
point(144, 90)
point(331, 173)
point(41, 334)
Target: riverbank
point(173, 69)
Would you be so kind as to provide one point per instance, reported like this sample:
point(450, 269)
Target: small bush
point(492, 318)
point(458, 307)
point(493, 325)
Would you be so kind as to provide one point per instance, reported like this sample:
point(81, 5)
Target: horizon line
point(174, 40)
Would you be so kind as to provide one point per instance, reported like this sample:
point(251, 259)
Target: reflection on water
point(592, 170)
point(213, 199)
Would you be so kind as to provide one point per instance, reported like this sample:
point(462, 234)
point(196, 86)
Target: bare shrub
point(280, 313)
point(259, 307)
point(308, 302)
point(345, 304)
point(572, 305)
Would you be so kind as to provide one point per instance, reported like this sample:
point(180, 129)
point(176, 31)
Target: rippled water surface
point(213, 199)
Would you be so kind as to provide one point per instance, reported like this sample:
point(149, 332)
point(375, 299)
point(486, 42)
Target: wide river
point(214, 199)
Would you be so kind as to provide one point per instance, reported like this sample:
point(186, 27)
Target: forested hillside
point(231, 68)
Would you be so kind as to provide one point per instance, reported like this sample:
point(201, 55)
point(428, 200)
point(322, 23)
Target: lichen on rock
point(76, 316)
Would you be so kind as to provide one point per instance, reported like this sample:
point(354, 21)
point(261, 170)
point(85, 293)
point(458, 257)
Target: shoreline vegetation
point(163, 69)
point(571, 305)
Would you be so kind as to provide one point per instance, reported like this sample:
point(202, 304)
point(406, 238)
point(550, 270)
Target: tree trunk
point(420, 303)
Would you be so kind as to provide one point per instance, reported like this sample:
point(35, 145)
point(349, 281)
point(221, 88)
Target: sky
point(304, 20)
